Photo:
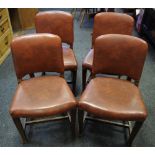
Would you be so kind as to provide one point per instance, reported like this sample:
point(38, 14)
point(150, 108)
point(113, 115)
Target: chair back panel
point(37, 53)
point(112, 23)
point(120, 55)
point(56, 22)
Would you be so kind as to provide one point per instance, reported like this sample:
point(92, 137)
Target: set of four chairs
point(115, 63)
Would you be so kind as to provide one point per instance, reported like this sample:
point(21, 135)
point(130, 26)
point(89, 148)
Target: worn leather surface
point(113, 99)
point(70, 61)
point(61, 24)
point(88, 60)
point(112, 23)
point(56, 22)
point(42, 96)
point(37, 53)
point(109, 23)
point(120, 55)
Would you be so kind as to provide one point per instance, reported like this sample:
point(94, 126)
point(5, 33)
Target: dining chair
point(106, 23)
point(60, 23)
point(107, 98)
point(40, 98)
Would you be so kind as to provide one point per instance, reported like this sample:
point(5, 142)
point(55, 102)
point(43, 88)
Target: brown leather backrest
point(119, 54)
point(112, 23)
point(56, 22)
point(37, 53)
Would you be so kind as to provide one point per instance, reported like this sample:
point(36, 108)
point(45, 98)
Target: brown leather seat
point(40, 96)
point(88, 60)
point(112, 98)
point(69, 59)
point(107, 23)
point(61, 24)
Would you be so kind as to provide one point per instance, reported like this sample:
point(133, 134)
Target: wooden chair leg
point(74, 73)
point(111, 10)
point(73, 12)
point(20, 129)
point(129, 79)
point(84, 76)
point(43, 73)
point(81, 10)
point(82, 19)
point(73, 122)
point(134, 132)
point(80, 120)
point(119, 76)
point(32, 75)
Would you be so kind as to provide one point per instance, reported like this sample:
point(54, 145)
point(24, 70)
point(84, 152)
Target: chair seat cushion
point(42, 96)
point(88, 61)
point(113, 99)
point(70, 62)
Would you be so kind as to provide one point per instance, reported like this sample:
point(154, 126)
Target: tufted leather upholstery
point(36, 53)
